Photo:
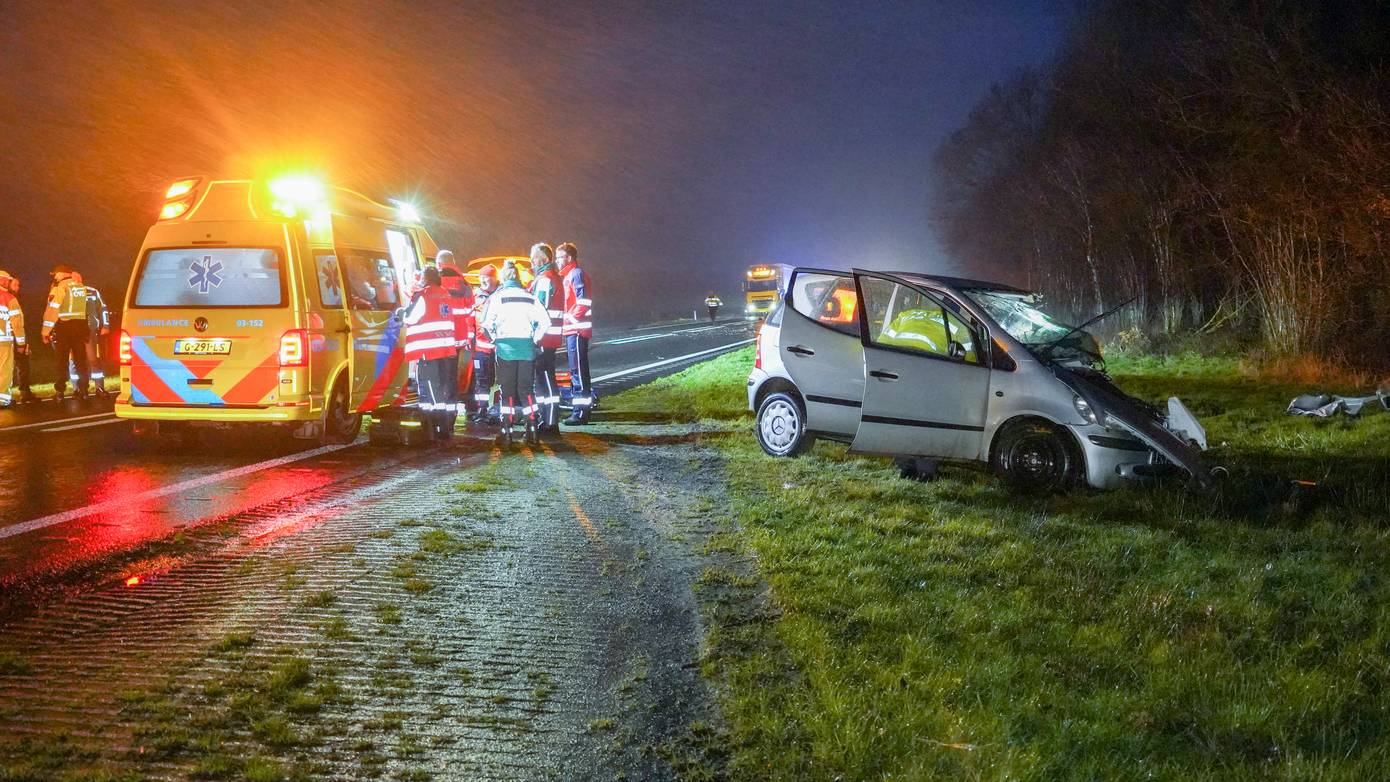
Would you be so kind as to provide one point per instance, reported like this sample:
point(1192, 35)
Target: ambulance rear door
point(372, 293)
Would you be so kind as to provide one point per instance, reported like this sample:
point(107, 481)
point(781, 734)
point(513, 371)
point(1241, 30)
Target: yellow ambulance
point(270, 302)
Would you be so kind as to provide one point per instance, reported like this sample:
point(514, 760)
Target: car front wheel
point(781, 426)
point(1036, 457)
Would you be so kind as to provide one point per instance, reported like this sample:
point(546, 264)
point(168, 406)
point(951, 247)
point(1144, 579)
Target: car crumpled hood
point(1115, 408)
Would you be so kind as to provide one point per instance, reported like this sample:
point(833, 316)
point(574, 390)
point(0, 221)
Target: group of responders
point(75, 323)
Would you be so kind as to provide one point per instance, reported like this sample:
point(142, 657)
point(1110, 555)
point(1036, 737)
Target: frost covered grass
point(915, 630)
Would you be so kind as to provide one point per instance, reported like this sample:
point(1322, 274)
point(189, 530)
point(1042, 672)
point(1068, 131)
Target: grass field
point(950, 630)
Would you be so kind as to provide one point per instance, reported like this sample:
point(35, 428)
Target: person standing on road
point(98, 326)
point(712, 303)
point(484, 367)
point(517, 323)
point(431, 340)
point(461, 310)
point(65, 327)
point(578, 329)
point(11, 337)
point(10, 285)
point(550, 292)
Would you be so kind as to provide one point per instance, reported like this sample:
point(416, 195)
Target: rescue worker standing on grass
point(549, 291)
point(461, 311)
point(484, 369)
point(65, 327)
point(10, 285)
point(430, 339)
point(578, 328)
point(11, 337)
point(517, 323)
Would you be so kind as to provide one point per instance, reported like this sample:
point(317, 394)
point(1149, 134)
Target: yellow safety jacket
point(67, 300)
point(11, 321)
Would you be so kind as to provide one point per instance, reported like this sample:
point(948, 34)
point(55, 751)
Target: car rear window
point(211, 277)
point(828, 299)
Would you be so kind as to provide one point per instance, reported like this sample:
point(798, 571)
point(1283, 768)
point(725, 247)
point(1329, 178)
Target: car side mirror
point(955, 350)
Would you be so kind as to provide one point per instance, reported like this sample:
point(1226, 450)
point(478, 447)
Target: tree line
point(1223, 162)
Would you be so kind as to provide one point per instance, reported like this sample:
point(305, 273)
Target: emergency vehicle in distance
point(762, 288)
point(269, 302)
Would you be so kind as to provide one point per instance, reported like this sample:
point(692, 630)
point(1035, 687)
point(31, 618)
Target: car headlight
point(1084, 409)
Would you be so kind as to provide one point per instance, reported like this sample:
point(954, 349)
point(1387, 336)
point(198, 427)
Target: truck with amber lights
point(270, 302)
point(763, 284)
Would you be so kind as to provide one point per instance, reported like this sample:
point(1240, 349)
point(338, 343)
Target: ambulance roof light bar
point(295, 192)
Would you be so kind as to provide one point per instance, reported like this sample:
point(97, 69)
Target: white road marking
point(677, 359)
point(84, 426)
point(55, 422)
point(643, 337)
point(164, 491)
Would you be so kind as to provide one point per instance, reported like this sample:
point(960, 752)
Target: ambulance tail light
point(294, 348)
point(125, 351)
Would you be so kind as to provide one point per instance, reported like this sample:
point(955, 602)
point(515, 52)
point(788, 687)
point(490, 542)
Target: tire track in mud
point(510, 616)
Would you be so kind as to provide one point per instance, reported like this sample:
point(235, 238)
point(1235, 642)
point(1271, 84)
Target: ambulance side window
point(330, 281)
point(371, 281)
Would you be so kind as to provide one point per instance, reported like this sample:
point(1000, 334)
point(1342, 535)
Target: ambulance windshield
point(211, 277)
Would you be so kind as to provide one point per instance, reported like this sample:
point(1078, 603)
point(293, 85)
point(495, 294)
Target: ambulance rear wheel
point(340, 425)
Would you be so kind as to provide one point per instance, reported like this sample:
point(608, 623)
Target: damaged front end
point(1139, 440)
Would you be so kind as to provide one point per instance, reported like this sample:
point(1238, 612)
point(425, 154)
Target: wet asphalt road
point(72, 494)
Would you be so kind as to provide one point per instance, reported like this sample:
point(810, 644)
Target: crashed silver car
point(929, 369)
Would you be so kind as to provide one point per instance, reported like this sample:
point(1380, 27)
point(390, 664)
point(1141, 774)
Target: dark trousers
point(70, 340)
point(436, 378)
point(21, 372)
point(578, 349)
point(547, 390)
point(484, 373)
point(517, 379)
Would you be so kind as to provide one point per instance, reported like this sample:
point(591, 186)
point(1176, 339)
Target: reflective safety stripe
point(583, 400)
point(481, 397)
point(434, 325)
point(505, 410)
point(48, 323)
point(417, 346)
point(584, 302)
point(460, 310)
point(555, 313)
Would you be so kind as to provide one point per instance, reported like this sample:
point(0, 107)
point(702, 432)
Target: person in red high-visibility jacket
point(461, 309)
point(484, 366)
point(430, 339)
point(577, 328)
point(550, 292)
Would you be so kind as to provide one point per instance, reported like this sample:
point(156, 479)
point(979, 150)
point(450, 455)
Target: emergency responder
point(577, 328)
point(712, 303)
point(517, 323)
point(484, 367)
point(65, 327)
point(98, 326)
point(11, 337)
point(549, 291)
point(431, 340)
point(461, 309)
point(21, 351)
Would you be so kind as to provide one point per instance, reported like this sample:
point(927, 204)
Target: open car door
point(819, 346)
point(926, 387)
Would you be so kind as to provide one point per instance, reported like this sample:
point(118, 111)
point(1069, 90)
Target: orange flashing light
point(132, 581)
point(180, 188)
point(172, 210)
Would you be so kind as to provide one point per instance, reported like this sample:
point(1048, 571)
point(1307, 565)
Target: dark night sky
point(674, 143)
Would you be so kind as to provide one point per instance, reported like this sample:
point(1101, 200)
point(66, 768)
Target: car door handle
point(801, 350)
point(882, 375)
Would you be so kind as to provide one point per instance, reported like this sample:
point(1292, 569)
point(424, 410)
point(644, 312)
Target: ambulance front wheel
point(340, 425)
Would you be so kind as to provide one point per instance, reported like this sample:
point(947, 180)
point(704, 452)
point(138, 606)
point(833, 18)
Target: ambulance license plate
point(202, 347)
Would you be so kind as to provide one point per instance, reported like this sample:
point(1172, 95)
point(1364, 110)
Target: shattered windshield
point(1022, 315)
